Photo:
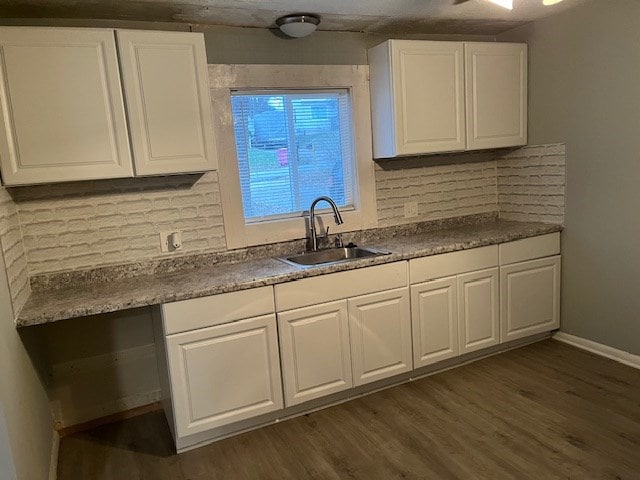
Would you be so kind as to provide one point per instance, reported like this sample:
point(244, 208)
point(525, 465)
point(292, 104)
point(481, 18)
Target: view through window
point(293, 147)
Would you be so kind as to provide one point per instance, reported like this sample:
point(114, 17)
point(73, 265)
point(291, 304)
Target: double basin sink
point(331, 256)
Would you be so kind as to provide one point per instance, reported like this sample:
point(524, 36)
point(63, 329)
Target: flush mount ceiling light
point(550, 2)
point(299, 25)
point(504, 3)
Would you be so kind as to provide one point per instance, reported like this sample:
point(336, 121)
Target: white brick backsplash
point(13, 251)
point(458, 184)
point(90, 224)
point(531, 184)
point(51, 228)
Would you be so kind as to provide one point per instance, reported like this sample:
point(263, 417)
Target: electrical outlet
point(410, 209)
point(170, 240)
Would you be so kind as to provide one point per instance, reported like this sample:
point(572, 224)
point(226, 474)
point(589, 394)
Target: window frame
point(354, 78)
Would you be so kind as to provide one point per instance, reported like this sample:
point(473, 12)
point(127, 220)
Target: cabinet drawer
point(216, 309)
point(336, 286)
point(454, 263)
point(530, 248)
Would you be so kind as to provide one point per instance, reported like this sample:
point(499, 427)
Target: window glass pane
point(292, 147)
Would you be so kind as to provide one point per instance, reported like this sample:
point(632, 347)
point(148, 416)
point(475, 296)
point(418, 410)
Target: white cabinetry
point(380, 327)
point(455, 304)
point(63, 114)
point(314, 345)
point(166, 87)
point(419, 90)
point(478, 314)
point(224, 374)
point(343, 329)
point(496, 94)
point(434, 309)
point(219, 362)
point(530, 290)
point(417, 97)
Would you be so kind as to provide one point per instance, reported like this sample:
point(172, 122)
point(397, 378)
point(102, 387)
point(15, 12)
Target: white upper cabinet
point(496, 94)
point(417, 97)
point(419, 91)
point(63, 115)
point(168, 105)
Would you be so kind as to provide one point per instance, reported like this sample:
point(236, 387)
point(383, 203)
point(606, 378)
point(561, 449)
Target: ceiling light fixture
point(504, 3)
point(299, 25)
point(550, 2)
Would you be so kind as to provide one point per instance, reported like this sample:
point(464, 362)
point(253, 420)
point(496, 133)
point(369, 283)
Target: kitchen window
point(293, 147)
point(291, 133)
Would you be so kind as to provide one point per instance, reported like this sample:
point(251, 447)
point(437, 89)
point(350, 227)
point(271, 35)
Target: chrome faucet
point(312, 219)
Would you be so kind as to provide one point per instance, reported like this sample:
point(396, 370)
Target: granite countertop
point(93, 297)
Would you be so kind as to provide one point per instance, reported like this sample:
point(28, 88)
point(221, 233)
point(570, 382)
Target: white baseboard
point(599, 349)
point(55, 449)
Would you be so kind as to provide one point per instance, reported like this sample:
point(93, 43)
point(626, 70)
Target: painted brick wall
point(12, 247)
point(531, 184)
point(443, 185)
point(88, 224)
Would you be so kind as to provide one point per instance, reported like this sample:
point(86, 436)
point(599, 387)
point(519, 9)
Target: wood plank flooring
point(544, 411)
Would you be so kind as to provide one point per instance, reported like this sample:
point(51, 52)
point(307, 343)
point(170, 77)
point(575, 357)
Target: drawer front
point(216, 309)
point(530, 248)
point(336, 286)
point(447, 264)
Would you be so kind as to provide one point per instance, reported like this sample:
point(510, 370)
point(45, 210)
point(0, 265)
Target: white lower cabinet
point(357, 331)
point(434, 307)
point(457, 311)
point(218, 362)
point(224, 374)
point(225, 359)
point(380, 326)
point(478, 314)
point(314, 346)
point(530, 297)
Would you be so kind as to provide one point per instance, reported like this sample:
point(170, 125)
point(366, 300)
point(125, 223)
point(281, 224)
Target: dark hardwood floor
point(544, 411)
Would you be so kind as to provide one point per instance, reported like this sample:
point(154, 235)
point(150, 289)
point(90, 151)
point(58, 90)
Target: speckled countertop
point(93, 297)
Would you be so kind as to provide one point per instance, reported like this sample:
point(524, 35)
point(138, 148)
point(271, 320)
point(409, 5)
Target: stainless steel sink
point(331, 256)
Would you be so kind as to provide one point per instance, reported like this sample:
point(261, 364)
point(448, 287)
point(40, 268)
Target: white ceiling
point(376, 16)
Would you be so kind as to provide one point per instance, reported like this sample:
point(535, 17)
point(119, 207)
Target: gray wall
point(22, 397)
point(584, 77)
point(261, 45)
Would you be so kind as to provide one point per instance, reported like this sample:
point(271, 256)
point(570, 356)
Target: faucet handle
point(338, 241)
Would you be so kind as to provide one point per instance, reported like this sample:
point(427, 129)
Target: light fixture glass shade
point(297, 26)
point(550, 2)
point(504, 3)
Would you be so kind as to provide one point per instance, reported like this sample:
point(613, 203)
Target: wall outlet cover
point(170, 241)
point(410, 209)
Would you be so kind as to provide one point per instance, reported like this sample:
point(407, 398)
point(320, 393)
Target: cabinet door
point(496, 94)
point(166, 87)
point(428, 92)
point(62, 109)
point(380, 327)
point(223, 374)
point(478, 316)
point(434, 317)
point(530, 297)
point(314, 345)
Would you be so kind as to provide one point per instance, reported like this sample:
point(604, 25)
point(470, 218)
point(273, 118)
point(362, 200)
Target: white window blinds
point(292, 147)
